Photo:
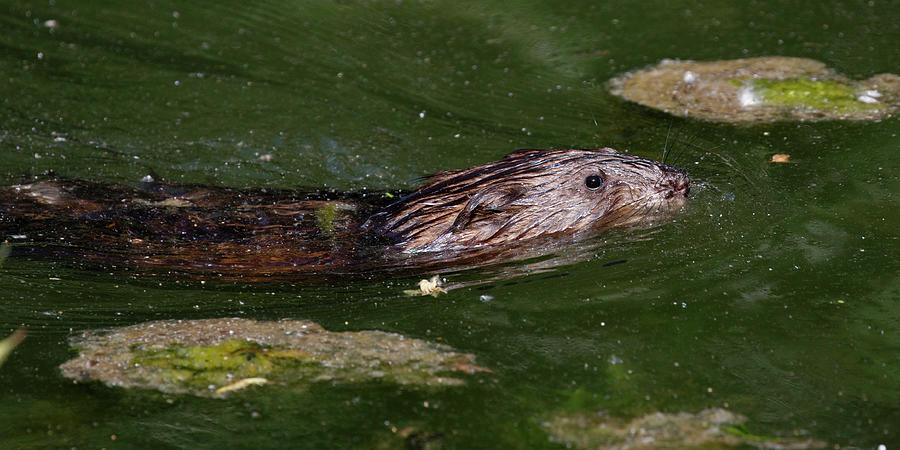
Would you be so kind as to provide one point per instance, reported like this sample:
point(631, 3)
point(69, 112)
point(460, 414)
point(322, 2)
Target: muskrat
point(460, 218)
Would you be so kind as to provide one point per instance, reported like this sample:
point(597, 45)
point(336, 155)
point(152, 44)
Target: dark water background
point(776, 293)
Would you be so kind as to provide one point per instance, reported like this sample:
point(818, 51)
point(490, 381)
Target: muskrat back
point(528, 196)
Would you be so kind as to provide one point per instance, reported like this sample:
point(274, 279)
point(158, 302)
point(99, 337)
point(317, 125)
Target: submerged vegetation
point(712, 428)
point(8, 344)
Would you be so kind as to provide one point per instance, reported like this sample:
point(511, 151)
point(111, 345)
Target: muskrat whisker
point(677, 151)
point(666, 143)
point(681, 150)
point(735, 169)
point(635, 207)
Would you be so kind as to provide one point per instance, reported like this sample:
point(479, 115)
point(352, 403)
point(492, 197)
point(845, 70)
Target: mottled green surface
point(774, 293)
point(713, 428)
point(761, 89)
point(190, 369)
point(327, 215)
point(209, 357)
point(808, 93)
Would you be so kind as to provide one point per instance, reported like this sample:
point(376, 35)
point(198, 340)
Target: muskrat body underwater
point(459, 219)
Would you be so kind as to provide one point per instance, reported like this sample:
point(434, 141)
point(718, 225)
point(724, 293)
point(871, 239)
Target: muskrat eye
point(593, 182)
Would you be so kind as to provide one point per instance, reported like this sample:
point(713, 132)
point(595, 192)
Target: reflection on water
point(772, 296)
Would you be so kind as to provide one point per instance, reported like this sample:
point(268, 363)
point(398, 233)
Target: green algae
point(329, 216)
point(325, 217)
point(217, 365)
point(759, 90)
point(209, 357)
point(805, 93)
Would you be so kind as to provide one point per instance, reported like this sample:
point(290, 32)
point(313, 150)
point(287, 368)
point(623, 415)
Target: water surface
point(774, 294)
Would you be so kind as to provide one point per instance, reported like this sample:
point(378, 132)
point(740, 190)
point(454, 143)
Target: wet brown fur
point(531, 193)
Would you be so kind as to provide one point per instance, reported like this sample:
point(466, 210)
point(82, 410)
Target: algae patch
point(812, 94)
point(759, 90)
point(330, 213)
point(215, 357)
point(709, 429)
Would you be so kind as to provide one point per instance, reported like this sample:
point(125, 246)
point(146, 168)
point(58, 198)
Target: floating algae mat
point(709, 429)
point(215, 357)
point(759, 90)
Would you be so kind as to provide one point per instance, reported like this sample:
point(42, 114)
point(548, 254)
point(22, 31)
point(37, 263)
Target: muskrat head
point(532, 193)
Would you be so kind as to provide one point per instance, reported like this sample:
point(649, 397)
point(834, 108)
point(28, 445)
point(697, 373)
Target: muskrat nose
point(677, 187)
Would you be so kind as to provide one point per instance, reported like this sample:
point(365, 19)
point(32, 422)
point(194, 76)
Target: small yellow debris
point(241, 384)
point(431, 286)
point(780, 158)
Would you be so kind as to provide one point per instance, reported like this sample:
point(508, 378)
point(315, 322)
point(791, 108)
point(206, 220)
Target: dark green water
point(776, 292)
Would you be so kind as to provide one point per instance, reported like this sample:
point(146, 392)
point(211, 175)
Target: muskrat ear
point(490, 204)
